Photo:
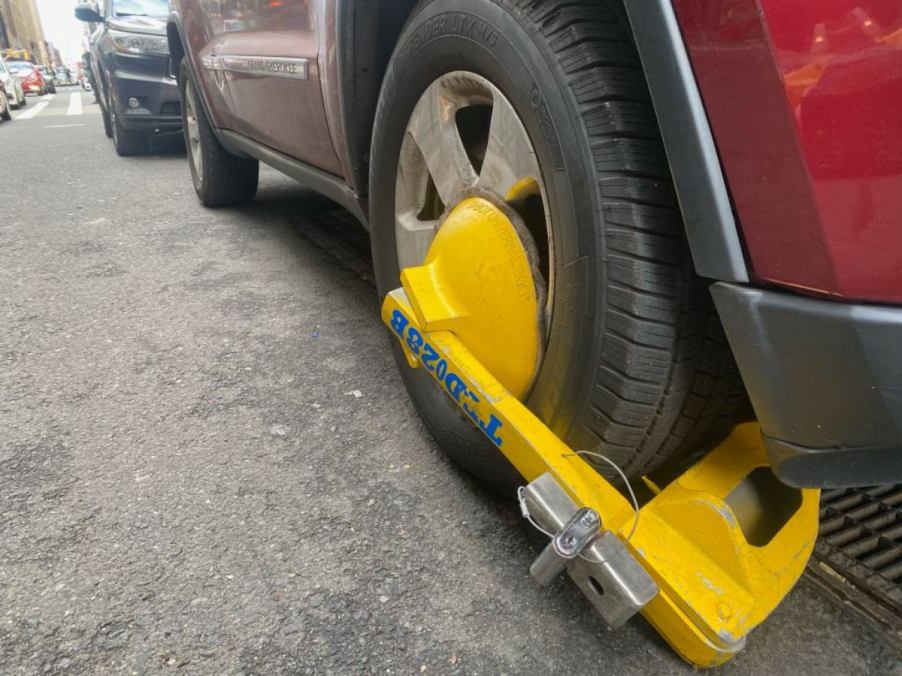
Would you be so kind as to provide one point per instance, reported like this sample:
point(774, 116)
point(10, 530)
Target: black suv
point(130, 60)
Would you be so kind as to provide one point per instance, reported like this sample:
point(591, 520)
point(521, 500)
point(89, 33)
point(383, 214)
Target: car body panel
point(28, 75)
point(64, 77)
point(12, 85)
point(49, 76)
point(804, 99)
point(230, 50)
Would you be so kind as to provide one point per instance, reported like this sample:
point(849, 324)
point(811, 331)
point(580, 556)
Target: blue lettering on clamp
point(453, 384)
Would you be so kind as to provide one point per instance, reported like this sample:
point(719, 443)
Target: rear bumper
point(825, 379)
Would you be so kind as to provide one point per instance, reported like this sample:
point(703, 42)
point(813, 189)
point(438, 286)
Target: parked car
point(130, 62)
point(31, 79)
point(49, 78)
point(12, 86)
point(657, 152)
point(86, 76)
point(64, 77)
point(5, 112)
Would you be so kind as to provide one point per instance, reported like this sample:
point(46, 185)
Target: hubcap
point(193, 130)
point(464, 135)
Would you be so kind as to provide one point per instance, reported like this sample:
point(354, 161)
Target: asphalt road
point(188, 481)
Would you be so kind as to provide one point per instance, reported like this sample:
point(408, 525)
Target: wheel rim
point(464, 134)
point(192, 129)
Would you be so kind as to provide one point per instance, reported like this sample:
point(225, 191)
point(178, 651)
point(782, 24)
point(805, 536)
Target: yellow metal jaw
point(470, 306)
point(456, 289)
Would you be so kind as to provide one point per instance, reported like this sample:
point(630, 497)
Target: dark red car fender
point(805, 101)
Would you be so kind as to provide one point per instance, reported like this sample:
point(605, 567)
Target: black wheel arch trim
point(367, 33)
point(174, 24)
point(704, 198)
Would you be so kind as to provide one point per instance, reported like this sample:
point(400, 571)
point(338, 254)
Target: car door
point(268, 51)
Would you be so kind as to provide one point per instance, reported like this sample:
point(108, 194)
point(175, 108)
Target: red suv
point(660, 153)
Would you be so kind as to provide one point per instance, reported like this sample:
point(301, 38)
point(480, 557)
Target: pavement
point(208, 463)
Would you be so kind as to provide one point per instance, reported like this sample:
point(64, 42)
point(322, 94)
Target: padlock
point(577, 534)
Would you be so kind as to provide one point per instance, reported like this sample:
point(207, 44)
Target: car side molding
point(697, 175)
point(269, 66)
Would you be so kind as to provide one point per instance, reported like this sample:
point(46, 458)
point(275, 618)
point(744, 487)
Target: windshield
point(158, 8)
point(19, 66)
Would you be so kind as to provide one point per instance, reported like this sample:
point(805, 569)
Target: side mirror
point(88, 12)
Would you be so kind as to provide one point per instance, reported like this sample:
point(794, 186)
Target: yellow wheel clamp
point(705, 560)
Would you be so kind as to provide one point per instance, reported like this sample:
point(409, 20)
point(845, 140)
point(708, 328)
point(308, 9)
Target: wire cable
point(629, 486)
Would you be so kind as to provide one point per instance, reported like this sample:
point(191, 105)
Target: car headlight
point(137, 43)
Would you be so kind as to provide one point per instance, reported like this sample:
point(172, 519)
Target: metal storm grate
point(858, 556)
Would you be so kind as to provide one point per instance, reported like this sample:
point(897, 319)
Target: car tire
point(107, 123)
point(635, 361)
point(220, 178)
point(126, 141)
point(5, 104)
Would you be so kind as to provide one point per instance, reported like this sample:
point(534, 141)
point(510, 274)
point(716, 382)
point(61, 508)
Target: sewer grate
point(858, 555)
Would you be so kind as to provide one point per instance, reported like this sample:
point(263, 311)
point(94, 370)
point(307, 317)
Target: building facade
point(55, 57)
point(20, 29)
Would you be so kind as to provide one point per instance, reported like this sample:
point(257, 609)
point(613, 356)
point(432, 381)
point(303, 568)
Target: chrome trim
point(211, 63)
point(267, 66)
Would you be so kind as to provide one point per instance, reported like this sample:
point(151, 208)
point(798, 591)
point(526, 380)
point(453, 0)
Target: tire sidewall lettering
point(443, 40)
point(470, 27)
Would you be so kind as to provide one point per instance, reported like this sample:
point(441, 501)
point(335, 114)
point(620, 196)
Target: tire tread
point(666, 385)
point(228, 180)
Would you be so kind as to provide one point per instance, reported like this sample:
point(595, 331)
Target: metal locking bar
point(613, 581)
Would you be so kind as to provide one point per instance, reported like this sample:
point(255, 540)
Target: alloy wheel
point(465, 135)
point(193, 129)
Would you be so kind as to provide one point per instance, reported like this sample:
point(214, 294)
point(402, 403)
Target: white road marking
point(74, 104)
point(64, 126)
point(33, 110)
